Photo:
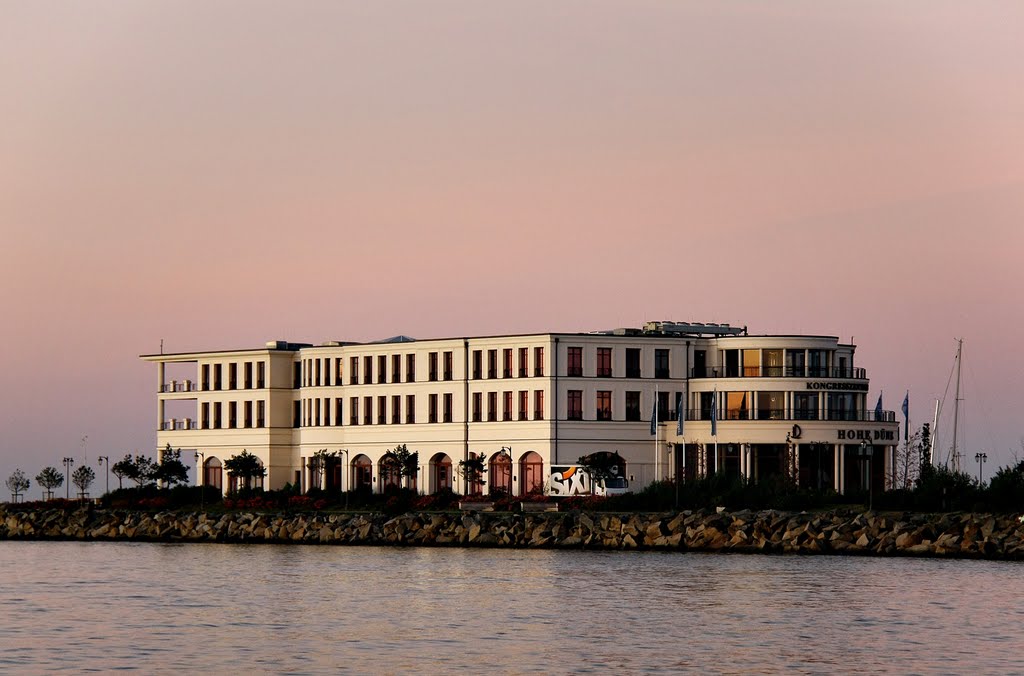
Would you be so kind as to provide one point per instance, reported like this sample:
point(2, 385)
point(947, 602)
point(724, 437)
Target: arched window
point(213, 473)
point(389, 472)
point(500, 472)
point(362, 473)
point(440, 473)
point(531, 473)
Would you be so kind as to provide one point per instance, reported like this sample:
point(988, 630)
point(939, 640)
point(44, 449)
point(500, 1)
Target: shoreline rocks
point(953, 535)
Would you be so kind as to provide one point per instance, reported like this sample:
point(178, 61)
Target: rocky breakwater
point(892, 534)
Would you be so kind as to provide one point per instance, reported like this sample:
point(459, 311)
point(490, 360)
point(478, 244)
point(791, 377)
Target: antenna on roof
point(161, 346)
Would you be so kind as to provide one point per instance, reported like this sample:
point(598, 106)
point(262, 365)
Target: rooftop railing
point(778, 372)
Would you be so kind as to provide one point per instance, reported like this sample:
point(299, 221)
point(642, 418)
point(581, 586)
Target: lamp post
point(867, 452)
point(507, 450)
point(200, 461)
point(68, 462)
point(100, 461)
point(981, 458)
point(345, 482)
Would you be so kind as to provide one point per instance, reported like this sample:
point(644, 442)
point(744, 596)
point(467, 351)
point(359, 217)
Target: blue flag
point(714, 413)
point(906, 417)
point(654, 415)
point(878, 408)
point(680, 414)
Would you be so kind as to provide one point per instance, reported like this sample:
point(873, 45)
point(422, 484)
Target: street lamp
point(105, 459)
point(68, 462)
point(867, 451)
point(507, 450)
point(200, 461)
point(981, 458)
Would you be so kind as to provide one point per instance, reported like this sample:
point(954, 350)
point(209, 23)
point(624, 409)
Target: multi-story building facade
point(754, 405)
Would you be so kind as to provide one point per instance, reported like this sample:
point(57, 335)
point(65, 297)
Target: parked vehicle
point(566, 480)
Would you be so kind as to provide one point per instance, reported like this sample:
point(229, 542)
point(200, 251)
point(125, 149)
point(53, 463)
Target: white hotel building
point(784, 405)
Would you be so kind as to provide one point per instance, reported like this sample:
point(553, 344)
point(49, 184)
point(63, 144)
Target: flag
point(680, 414)
point(906, 417)
point(878, 408)
point(654, 415)
point(714, 413)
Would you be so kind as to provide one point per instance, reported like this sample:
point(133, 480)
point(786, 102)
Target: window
point(477, 364)
point(382, 411)
point(232, 376)
point(574, 365)
point(297, 375)
point(316, 380)
point(796, 362)
point(771, 405)
point(396, 368)
point(232, 415)
point(817, 364)
point(410, 368)
point(247, 375)
point(492, 406)
point(506, 359)
point(432, 408)
point(396, 409)
point(805, 405)
point(204, 377)
point(633, 406)
point(524, 358)
point(447, 411)
point(367, 410)
point(261, 374)
point(661, 364)
point(432, 367)
point(538, 404)
point(841, 406)
point(338, 411)
point(410, 408)
point(751, 363)
point(448, 366)
point(204, 416)
point(604, 405)
point(604, 362)
point(662, 405)
point(368, 368)
point(338, 370)
point(538, 361)
point(773, 363)
point(247, 414)
point(353, 371)
point(524, 404)
point(216, 377)
point(632, 362)
point(382, 369)
point(492, 363)
point(261, 413)
point(353, 411)
point(707, 400)
point(506, 406)
point(478, 405)
point(736, 406)
point(574, 405)
point(296, 413)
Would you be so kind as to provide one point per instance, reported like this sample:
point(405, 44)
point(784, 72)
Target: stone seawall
point(948, 535)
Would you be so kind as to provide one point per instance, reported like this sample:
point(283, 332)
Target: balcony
point(797, 414)
point(178, 425)
point(574, 371)
point(779, 372)
point(179, 386)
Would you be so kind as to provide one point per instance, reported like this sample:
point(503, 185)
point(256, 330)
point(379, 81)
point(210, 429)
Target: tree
point(171, 469)
point(318, 464)
point(49, 479)
point(601, 467)
point(407, 463)
point(124, 469)
point(907, 463)
point(472, 471)
point(246, 466)
point(82, 477)
point(145, 471)
point(17, 483)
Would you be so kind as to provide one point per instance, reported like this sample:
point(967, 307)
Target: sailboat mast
point(956, 402)
point(935, 433)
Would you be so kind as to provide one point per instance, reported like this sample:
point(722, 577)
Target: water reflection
point(295, 609)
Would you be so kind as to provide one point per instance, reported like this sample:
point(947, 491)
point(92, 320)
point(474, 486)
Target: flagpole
point(657, 449)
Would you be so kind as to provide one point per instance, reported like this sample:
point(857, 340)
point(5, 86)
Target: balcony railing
point(174, 425)
point(795, 414)
point(778, 372)
point(573, 371)
point(179, 386)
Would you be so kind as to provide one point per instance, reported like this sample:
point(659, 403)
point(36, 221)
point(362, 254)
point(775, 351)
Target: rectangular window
point(492, 406)
point(661, 369)
point(216, 377)
point(261, 374)
point(805, 405)
point(816, 365)
point(662, 405)
point(448, 370)
point(338, 370)
point(841, 406)
point(261, 413)
point(247, 375)
point(382, 369)
point(574, 405)
point(478, 364)
point(410, 368)
point(574, 363)
point(604, 405)
point(368, 368)
point(232, 376)
point(632, 362)
point(751, 363)
point(538, 404)
point(247, 414)
point(396, 409)
point(633, 406)
point(204, 416)
point(492, 363)
point(432, 367)
point(524, 359)
point(771, 405)
point(296, 413)
point(447, 407)
point(706, 401)
point(353, 371)
point(232, 415)
point(297, 375)
point(524, 404)
point(410, 408)
point(316, 379)
point(478, 405)
point(432, 408)
point(604, 362)
point(367, 410)
point(216, 415)
point(506, 358)
point(204, 377)
point(353, 411)
point(339, 410)
point(506, 406)
point(396, 368)
point(315, 403)
point(538, 361)
point(382, 410)
point(772, 363)
point(736, 406)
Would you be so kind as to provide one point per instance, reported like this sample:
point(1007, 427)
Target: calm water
point(79, 607)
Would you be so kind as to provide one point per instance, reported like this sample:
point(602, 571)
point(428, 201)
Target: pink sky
point(217, 175)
